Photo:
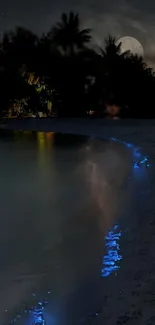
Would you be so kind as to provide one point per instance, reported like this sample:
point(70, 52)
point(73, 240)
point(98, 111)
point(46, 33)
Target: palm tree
point(138, 63)
point(138, 86)
point(112, 49)
point(19, 48)
point(18, 51)
point(66, 47)
point(67, 36)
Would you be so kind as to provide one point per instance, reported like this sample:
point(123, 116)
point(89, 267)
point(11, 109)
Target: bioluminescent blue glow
point(128, 145)
point(136, 153)
point(139, 160)
point(38, 314)
point(112, 257)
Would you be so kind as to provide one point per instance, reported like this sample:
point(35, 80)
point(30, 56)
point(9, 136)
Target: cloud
point(122, 17)
point(123, 20)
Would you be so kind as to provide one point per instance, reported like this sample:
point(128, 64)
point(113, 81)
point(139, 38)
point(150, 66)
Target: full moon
point(131, 44)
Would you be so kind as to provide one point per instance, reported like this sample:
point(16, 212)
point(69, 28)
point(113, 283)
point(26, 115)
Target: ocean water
point(62, 196)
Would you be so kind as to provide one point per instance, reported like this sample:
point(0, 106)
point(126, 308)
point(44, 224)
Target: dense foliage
point(62, 67)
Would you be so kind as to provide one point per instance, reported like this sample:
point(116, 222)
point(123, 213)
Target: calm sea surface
point(60, 196)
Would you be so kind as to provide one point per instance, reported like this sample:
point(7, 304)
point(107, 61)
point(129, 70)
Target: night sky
point(118, 17)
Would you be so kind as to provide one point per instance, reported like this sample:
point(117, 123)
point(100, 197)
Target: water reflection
point(45, 143)
point(112, 257)
point(107, 172)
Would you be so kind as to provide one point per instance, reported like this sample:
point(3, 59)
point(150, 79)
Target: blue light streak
point(139, 160)
point(38, 314)
point(112, 257)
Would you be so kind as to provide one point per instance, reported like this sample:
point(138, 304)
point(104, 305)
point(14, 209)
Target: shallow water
point(60, 197)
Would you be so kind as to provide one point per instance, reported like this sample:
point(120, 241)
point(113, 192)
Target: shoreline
point(135, 131)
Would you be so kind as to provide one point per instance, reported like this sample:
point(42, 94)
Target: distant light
point(90, 112)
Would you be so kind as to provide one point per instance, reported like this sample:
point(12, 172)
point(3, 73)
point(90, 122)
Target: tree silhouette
point(69, 58)
point(112, 49)
point(17, 57)
point(67, 36)
point(110, 64)
point(137, 86)
point(19, 48)
point(61, 66)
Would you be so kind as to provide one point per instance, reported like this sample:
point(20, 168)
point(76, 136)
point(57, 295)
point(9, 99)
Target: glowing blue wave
point(112, 257)
point(36, 311)
point(139, 159)
point(38, 314)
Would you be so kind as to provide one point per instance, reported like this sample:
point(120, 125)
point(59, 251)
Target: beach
point(129, 293)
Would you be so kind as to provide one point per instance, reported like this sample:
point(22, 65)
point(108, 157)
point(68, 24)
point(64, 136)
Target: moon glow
point(131, 44)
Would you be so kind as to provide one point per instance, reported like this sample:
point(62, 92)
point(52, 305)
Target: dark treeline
point(62, 67)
